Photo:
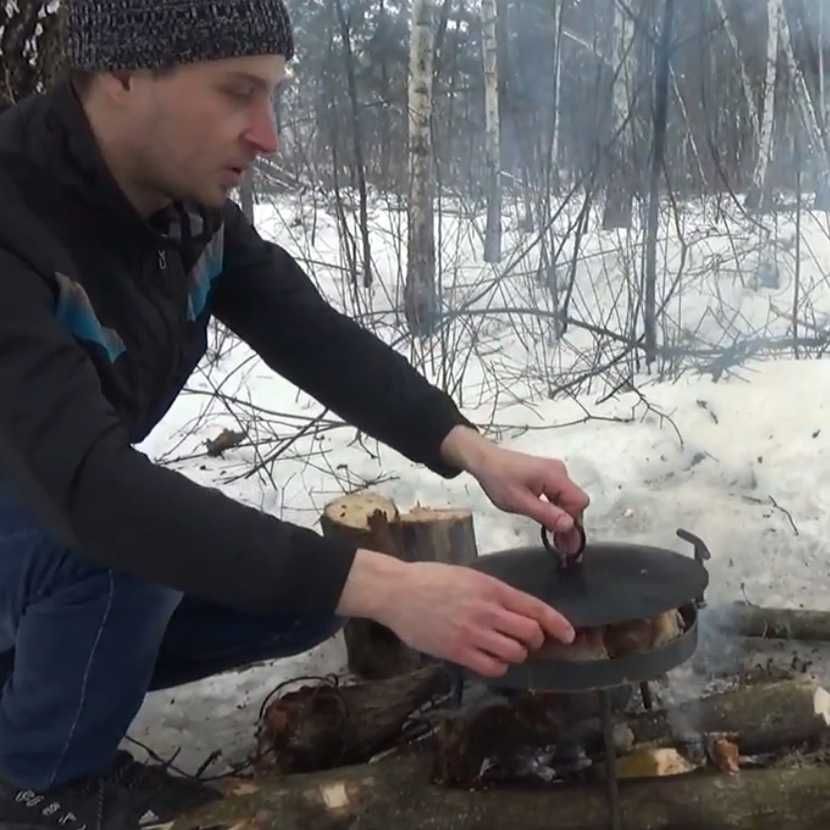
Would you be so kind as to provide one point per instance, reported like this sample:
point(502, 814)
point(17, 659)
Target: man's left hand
point(515, 482)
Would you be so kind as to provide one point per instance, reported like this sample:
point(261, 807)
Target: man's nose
point(262, 132)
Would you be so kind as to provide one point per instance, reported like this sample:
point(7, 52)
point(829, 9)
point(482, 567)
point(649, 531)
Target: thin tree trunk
point(759, 196)
point(797, 286)
point(821, 82)
point(689, 128)
point(619, 197)
point(342, 222)
point(823, 182)
point(511, 74)
point(746, 84)
point(489, 40)
point(386, 92)
point(246, 194)
point(360, 167)
point(440, 38)
point(419, 295)
point(547, 261)
point(812, 116)
point(658, 158)
point(554, 180)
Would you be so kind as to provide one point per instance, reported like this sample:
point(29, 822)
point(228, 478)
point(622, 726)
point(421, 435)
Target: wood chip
point(725, 756)
point(653, 763)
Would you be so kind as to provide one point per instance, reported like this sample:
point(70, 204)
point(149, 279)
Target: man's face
point(197, 129)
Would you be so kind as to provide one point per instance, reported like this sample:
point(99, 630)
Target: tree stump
point(372, 521)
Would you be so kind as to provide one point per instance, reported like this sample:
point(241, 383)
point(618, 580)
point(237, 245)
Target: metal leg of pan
point(645, 691)
point(457, 688)
point(610, 761)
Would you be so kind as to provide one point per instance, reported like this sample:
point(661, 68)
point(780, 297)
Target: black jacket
point(103, 317)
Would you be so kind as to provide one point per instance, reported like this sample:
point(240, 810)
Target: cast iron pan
point(606, 583)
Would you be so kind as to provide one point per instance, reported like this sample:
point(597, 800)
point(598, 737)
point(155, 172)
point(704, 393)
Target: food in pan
point(609, 642)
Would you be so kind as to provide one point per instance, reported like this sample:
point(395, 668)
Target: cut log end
point(821, 705)
point(434, 514)
point(653, 763)
point(353, 511)
point(439, 535)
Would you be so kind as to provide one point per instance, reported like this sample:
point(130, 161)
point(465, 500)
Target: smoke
point(715, 666)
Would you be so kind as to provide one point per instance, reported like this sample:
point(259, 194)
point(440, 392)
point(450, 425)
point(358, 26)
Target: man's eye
point(241, 93)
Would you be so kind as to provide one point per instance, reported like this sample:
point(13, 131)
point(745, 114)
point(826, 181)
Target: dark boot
point(130, 796)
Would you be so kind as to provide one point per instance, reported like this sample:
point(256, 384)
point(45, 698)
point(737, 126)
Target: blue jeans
point(81, 645)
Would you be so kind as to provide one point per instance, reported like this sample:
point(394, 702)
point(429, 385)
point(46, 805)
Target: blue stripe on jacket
point(74, 310)
point(207, 268)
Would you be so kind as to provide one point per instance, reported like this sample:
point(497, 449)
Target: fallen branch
point(322, 726)
point(785, 512)
point(746, 620)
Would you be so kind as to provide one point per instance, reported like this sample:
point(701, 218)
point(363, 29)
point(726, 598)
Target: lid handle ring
point(566, 560)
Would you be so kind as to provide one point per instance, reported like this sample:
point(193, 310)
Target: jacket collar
point(87, 172)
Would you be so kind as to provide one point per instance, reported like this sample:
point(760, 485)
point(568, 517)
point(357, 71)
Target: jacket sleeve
point(68, 456)
point(265, 297)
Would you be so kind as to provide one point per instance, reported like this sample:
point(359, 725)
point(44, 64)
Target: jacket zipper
point(175, 333)
point(163, 381)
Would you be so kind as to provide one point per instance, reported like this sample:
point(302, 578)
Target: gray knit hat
point(155, 34)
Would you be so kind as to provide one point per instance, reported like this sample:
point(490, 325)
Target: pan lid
point(608, 583)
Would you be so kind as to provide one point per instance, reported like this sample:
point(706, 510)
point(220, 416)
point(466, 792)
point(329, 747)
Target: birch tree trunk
point(658, 159)
point(823, 183)
point(619, 196)
point(489, 40)
point(385, 121)
point(419, 295)
point(553, 161)
point(759, 195)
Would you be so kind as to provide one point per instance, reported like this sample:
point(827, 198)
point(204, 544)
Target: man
point(118, 242)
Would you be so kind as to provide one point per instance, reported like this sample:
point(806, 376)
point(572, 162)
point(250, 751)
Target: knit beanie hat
point(107, 35)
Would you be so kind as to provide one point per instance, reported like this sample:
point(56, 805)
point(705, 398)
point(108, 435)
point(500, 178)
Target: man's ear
point(117, 84)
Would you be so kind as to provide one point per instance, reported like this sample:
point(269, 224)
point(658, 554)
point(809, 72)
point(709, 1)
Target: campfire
point(635, 613)
point(577, 737)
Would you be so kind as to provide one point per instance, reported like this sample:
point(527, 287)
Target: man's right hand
point(451, 612)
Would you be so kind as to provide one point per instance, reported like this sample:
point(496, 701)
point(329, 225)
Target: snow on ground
point(742, 462)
